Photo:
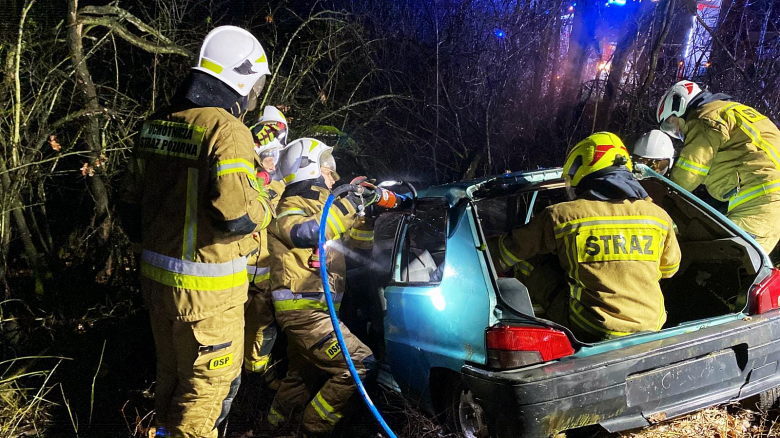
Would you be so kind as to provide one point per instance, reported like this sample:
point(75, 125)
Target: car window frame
point(395, 277)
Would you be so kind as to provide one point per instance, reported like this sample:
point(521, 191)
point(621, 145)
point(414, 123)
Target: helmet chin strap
point(239, 108)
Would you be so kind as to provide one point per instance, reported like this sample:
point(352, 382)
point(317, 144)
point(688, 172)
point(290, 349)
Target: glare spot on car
point(437, 299)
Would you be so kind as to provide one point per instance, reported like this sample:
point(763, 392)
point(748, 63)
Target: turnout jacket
point(259, 262)
point(732, 149)
point(293, 237)
point(193, 178)
point(613, 253)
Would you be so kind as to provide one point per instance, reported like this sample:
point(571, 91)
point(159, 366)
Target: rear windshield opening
point(716, 270)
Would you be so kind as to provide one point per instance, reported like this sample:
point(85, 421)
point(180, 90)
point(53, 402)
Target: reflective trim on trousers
point(324, 409)
point(275, 417)
point(524, 267)
point(285, 299)
point(258, 275)
point(254, 270)
point(257, 366)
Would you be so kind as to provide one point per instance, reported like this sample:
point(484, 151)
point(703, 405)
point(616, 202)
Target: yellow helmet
point(597, 152)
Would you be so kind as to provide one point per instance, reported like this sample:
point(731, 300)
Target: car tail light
point(765, 295)
point(515, 346)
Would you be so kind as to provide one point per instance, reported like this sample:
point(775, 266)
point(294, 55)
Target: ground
point(93, 375)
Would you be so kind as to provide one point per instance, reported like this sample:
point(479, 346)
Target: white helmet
point(271, 114)
point(674, 103)
point(656, 146)
point(270, 132)
point(235, 57)
point(301, 160)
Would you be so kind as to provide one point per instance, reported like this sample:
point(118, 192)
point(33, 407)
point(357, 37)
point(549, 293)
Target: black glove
point(372, 211)
point(362, 198)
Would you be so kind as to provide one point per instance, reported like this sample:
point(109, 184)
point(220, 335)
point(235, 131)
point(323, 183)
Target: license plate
point(689, 377)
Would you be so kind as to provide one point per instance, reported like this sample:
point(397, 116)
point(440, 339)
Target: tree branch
point(716, 39)
point(362, 102)
point(104, 16)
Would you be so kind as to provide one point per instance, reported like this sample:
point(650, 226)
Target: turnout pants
point(260, 331)
point(760, 217)
point(313, 350)
point(198, 366)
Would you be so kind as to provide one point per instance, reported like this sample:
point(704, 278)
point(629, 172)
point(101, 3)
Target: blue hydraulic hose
point(337, 329)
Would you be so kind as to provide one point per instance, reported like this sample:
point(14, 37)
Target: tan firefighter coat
point(732, 149)
point(613, 254)
point(194, 175)
point(296, 225)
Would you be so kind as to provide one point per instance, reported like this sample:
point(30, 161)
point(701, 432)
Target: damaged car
point(469, 345)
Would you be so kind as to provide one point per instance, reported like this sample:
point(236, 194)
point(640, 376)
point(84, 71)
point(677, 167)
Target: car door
point(438, 302)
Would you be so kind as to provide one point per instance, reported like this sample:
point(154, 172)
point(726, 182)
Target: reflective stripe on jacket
point(732, 149)
point(613, 253)
point(292, 237)
point(194, 180)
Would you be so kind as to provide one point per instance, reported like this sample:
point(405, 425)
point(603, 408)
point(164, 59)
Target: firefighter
point(192, 198)
point(730, 148)
point(270, 134)
point(613, 244)
point(298, 296)
point(655, 150)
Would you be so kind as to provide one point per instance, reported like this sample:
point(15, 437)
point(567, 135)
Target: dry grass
point(24, 397)
point(719, 422)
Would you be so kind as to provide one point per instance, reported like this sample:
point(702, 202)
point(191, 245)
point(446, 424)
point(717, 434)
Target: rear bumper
point(633, 386)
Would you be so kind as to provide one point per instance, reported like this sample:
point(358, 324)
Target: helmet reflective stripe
point(675, 101)
point(301, 160)
point(233, 56)
point(597, 152)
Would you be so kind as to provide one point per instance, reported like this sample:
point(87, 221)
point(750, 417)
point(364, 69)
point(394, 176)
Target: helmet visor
point(270, 153)
point(327, 161)
point(671, 126)
point(255, 93)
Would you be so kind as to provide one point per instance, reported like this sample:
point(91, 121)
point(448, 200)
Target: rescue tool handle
point(332, 312)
